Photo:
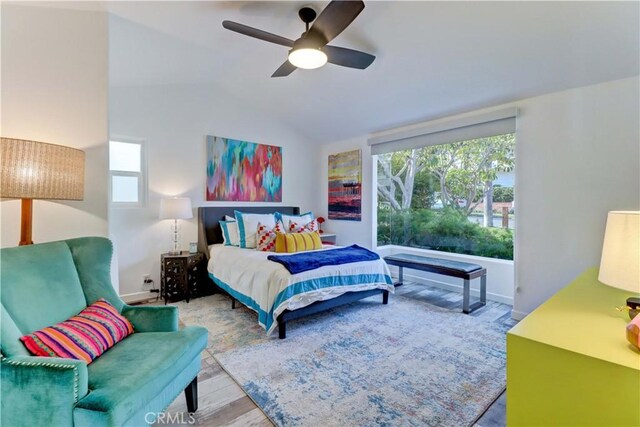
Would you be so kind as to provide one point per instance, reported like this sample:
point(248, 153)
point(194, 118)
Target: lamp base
point(634, 306)
point(26, 216)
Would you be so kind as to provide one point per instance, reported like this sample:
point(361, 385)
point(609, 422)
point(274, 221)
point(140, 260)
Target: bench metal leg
point(466, 294)
point(466, 308)
point(400, 277)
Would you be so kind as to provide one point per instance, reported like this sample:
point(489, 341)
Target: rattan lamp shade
point(37, 170)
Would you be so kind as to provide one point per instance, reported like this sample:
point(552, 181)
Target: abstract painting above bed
point(243, 171)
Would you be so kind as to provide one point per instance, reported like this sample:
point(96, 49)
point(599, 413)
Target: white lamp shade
point(176, 208)
point(620, 263)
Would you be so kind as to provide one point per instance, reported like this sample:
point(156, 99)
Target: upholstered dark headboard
point(209, 231)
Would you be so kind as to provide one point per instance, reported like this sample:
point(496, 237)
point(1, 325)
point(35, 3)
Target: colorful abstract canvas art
point(345, 186)
point(243, 171)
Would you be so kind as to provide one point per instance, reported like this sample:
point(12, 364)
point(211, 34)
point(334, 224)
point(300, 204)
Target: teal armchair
point(44, 284)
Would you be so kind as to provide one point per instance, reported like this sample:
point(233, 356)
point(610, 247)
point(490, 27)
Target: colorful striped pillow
point(297, 242)
point(85, 336)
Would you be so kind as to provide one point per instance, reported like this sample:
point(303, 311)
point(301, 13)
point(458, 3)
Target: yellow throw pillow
point(297, 242)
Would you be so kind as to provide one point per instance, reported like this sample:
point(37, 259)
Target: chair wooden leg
point(191, 394)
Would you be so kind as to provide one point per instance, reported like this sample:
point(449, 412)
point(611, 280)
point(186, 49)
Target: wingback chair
point(44, 284)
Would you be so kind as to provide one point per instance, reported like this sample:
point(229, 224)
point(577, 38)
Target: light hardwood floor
point(223, 403)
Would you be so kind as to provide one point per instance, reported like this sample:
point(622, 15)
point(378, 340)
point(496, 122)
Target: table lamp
point(620, 263)
point(37, 170)
point(176, 208)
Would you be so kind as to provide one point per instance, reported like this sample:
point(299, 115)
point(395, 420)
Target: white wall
point(577, 157)
point(54, 89)
point(174, 120)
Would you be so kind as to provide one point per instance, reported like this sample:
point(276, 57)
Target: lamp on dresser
point(176, 208)
point(620, 263)
point(38, 170)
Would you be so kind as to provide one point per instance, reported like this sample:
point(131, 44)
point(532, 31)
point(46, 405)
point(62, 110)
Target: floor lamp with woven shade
point(37, 170)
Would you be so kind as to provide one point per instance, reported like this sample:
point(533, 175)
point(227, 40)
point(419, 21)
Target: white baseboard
point(138, 297)
point(518, 315)
point(458, 288)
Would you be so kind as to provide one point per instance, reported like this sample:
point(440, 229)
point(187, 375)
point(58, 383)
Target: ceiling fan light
point(307, 58)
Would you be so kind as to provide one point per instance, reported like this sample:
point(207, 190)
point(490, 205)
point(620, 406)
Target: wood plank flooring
point(223, 403)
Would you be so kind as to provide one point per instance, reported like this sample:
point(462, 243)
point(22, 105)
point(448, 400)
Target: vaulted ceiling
point(433, 58)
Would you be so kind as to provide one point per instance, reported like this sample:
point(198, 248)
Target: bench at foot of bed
point(462, 270)
point(319, 306)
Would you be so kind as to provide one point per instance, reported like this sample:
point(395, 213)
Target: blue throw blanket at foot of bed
point(305, 261)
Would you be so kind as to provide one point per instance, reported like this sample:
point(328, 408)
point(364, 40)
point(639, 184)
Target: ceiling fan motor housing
point(307, 14)
point(307, 43)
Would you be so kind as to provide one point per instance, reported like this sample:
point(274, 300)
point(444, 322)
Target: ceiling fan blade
point(348, 57)
point(334, 19)
point(285, 69)
point(258, 34)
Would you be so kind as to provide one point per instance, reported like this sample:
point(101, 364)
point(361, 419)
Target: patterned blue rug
point(408, 363)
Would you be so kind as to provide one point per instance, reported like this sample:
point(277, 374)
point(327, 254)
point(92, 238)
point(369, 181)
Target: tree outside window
point(455, 197)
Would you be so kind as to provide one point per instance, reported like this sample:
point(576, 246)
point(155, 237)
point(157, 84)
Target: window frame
point(142, 175)
point(376, 205)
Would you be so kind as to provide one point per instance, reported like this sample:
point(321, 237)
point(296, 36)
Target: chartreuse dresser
point(569, 363)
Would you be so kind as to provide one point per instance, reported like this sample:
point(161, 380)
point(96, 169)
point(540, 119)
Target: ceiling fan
point(311, 49)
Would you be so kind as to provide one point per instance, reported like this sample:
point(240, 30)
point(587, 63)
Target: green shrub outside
point(502, 194)
point(446, 230)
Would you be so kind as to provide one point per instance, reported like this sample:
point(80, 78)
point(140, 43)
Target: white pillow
point(230, 233)
point(248, 227)
point(300, 219)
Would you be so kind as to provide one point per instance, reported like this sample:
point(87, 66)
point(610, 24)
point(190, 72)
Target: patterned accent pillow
point(85, 336)
point(266, 240)
point(294, 227)
point(297, 242)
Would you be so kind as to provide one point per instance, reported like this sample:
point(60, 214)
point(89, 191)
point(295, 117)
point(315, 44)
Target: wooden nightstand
point(181, 276)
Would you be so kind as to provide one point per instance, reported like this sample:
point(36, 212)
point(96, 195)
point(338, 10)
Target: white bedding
point(268, 288)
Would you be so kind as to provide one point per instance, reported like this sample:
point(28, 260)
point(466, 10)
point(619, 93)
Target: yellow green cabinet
point(569, 363)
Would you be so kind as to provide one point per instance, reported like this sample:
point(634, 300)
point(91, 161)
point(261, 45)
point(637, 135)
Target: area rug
point(407, 363)
point(228, 328)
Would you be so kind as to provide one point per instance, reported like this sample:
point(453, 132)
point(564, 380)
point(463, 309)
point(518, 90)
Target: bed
point(269, 289)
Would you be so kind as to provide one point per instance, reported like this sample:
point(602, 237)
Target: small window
point(127, 173)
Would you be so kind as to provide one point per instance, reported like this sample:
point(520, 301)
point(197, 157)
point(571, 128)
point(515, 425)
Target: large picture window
point(454, 197)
